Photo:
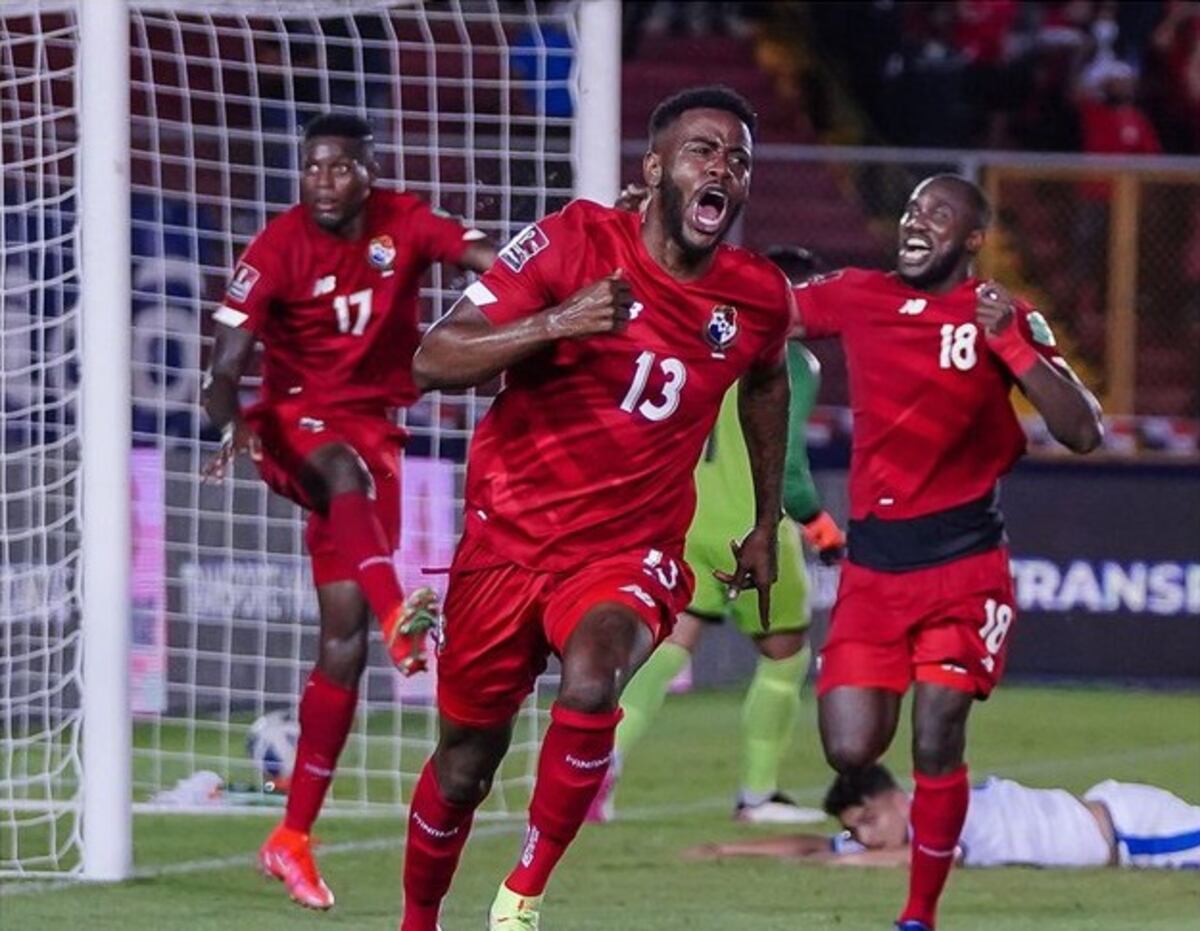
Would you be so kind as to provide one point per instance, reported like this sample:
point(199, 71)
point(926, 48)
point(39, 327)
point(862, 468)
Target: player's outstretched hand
point(825, 537)
point(994, 311)
point(238, 438)
point(599, 308)
point(633, 197)
point(756, 567)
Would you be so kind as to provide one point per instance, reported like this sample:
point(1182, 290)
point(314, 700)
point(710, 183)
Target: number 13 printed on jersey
point(676, 376)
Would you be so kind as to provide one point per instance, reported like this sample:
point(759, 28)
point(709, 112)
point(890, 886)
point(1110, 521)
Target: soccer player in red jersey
point(330, 288)
point(926, 594)
point(618, 335)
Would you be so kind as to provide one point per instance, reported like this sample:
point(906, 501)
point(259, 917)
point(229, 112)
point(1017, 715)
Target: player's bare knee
point(343, 659)
point(344, 471)
point(464, 786)
point(781, 646)
point(609, 641)
point(848, 752)
point(592, 695)
point(464, 774)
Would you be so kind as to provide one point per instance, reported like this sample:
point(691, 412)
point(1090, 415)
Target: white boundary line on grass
point(213, 864)
point(517, 824)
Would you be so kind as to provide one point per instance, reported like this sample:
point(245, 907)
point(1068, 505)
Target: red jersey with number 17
point(934, 426)
point(590, 447)
point(338, 318)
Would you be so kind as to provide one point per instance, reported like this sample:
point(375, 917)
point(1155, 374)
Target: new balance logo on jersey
point(524, 246)
point(325, 285)
point(636, 308)
point(913, 306)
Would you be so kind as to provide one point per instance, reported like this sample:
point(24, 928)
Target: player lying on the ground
point(933, 354)
point(724, 508)
point(1007, 824)
point(330, 289)
point(618, 335)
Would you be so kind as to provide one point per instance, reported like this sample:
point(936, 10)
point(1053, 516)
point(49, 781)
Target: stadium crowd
point(1064, 75)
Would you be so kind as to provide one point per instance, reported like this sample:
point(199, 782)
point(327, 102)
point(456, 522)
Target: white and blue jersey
point(1011, 824)
point(1008, 823)
point(1154, 828)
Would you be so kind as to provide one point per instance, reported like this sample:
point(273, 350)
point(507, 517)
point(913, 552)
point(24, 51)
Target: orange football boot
point(287, 855)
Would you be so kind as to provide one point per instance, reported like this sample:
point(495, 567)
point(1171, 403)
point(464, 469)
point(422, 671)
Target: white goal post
point(146, 620)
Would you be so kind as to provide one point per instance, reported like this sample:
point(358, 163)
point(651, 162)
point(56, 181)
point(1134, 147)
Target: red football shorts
point(947, 624)
point(502, 621)
point(290, 433)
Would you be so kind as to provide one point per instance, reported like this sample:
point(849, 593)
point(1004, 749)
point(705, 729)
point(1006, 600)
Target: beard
point(939, 271)
point(672, 212)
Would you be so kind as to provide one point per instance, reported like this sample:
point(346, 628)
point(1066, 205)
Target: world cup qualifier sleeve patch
point(245, 277)
point(1040, 329)
point(524, 246)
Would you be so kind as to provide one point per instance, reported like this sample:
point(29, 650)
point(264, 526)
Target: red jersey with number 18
point(933, 423)
point(338, 319)
point(590, 447)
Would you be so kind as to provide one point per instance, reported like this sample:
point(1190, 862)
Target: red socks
point(437, 833)
point(939, 808)
point(571, 767)
point(574, 759)
point(326, 715)
point(364, 546)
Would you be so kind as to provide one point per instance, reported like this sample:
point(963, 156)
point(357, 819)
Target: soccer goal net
point(472, 104)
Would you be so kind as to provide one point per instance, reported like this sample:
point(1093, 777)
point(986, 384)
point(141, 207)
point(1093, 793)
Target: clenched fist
point(599, 308)
point(996, 315)
point(994, 311)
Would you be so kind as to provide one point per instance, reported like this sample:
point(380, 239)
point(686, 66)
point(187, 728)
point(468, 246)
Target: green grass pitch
point(195, 872)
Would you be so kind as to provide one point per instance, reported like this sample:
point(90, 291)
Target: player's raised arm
point(1070, 411)
point(465, 348)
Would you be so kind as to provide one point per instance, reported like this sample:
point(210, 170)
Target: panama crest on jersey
point(381, 253)
point(722, 328)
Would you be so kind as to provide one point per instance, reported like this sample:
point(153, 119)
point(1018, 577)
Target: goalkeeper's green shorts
point(789, 596)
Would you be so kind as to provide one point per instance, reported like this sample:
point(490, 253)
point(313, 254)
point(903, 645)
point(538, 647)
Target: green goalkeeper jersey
point(724, 487)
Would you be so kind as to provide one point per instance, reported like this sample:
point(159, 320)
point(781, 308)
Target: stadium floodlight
point(146, 620)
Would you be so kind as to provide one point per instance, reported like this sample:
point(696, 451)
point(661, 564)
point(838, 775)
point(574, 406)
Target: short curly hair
point(708, 97)
point(345, 125)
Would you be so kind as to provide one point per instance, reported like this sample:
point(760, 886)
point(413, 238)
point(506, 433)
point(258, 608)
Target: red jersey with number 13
point(934, 425)
point(338, 318)
point(590, 447)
